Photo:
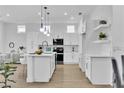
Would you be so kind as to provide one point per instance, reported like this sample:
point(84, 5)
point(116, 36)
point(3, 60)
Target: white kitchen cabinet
point(99, 69)
point(71, 58)
point(40, 68)
point(75, 57)
point(82, 62)
point(71, 39)
point(67, 58)
point(88, 68)
point(67, 39)
point(82, 51)
point(74, 39)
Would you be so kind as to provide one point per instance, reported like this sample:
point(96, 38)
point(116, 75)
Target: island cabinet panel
point(98, 70)
point(40, 67)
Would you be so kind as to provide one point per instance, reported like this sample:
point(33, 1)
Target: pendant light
point(48, 27)
point(45, 29)
point(41, 25)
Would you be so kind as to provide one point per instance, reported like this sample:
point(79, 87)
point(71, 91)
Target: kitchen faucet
point(44, 43)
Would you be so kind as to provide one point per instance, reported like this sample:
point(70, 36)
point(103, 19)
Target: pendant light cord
point(45, 17)
point(41, 16)
point(48, 21)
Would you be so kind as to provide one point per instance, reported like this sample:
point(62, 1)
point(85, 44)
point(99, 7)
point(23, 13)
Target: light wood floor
point(65, 76)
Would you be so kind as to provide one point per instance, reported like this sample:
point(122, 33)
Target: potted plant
point(7, 70)
point(102, 36)
point(21, 47)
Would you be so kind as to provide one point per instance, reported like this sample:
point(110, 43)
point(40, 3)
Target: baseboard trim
point(70, 63)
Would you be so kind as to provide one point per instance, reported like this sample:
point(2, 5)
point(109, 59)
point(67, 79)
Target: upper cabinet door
point(74, 39)
point(71, 39)
point(67, 39)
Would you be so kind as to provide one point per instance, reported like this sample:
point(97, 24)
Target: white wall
point(118, 26)
point(58, 30)
point(13, 36)
point(2, 37)
point(100, 12)
point(118, 34)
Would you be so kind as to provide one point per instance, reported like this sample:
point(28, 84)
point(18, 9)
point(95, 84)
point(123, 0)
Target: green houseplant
point(7, 70)
point(102, 36)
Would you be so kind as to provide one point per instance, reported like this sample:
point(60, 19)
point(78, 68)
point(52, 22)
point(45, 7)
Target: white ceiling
point(29, 13)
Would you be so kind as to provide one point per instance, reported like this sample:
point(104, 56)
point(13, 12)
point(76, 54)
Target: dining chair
point(116, 76)
point(122, 57)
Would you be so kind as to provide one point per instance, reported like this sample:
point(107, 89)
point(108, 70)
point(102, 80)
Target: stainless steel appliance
point(59, 54)
point(58, 41)
point(59, 50)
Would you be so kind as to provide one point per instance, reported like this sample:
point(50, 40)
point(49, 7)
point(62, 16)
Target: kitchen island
point(40, 68)
point(98, 69)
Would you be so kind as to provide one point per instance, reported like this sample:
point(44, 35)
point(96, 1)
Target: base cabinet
point(88, 68)
point(40, 68)
point(71, 58)
point(82, 62)
point(99, 70)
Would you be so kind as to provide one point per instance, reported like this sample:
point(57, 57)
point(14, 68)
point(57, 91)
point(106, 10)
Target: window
point(21, 29)
point(70, 29)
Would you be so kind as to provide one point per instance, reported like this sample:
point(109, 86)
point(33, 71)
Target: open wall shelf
point(101, 26)
point(101, 41)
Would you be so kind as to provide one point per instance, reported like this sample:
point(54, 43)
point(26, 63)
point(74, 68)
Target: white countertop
point(99, 56)
point(43, 54)
point(102, 56)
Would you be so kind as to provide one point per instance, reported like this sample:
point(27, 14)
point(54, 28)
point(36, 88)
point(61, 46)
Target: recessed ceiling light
point(65, 13)
point(48, 34)
point(7, 14)
point(39, 13)
point(72, 18)
point(45, 32)
point(41, 29)
point(42, 18)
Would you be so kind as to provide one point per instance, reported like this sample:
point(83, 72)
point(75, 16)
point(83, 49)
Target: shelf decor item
point(21, 47)
point(102, 22)
point(102, 36)
point(7, 70)
point(39, 52)
point(11, 44)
